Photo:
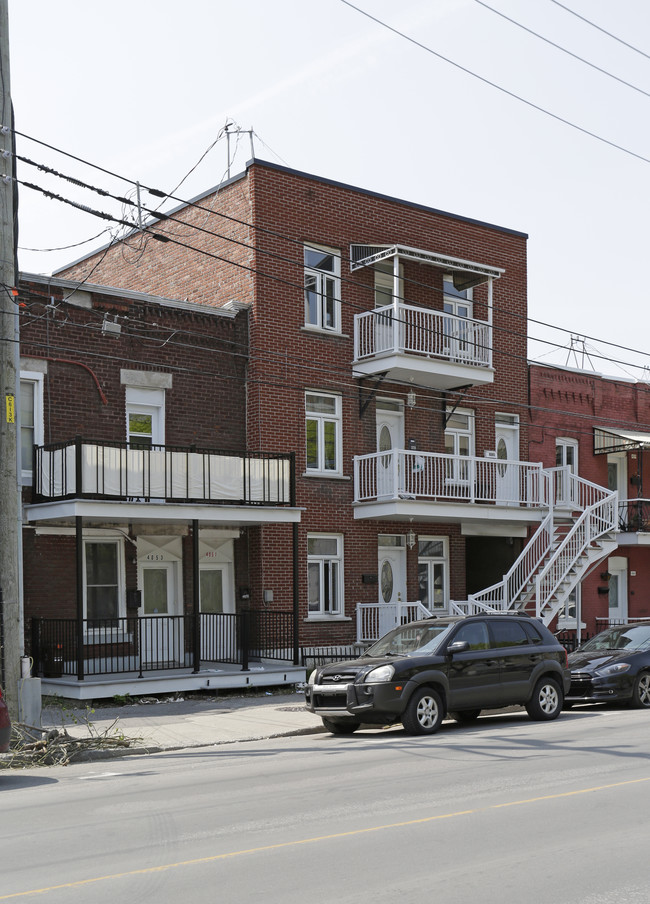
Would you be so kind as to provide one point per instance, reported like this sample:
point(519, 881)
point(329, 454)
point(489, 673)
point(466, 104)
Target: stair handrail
point(598, 518)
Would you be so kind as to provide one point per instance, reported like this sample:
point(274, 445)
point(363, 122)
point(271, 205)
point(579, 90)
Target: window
point(567, 616)
point(459, 304)
point(566, 454)
point(323, 429)
point(322, 288)
point(433, 563)
point(103, 581)
point(385, 284)
point(459, 442)
point(508, 634)
point(145, 417)
point(31, 419)
point(325, 575)
point(475, 634)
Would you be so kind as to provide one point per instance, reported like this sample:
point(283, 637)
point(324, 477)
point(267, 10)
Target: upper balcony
point(421, 346)
point(442, 347)
point(426, 486)
point(256, 487)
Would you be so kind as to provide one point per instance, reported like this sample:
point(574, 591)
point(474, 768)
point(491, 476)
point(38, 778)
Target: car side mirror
point(458, 646)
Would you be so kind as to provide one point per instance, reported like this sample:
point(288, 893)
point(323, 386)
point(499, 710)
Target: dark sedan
point(5, 725)
point(614, 666)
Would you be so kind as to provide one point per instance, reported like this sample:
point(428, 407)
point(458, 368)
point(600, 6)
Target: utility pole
point(9, 416)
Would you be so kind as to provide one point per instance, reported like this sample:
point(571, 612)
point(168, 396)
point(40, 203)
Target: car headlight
point(312, 677)
point(617, 669)
point(382, 673)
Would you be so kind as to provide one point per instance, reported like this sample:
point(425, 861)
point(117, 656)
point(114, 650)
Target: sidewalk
point(161, 724)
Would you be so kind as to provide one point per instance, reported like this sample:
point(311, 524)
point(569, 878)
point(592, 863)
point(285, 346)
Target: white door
point(217, 607)
point(506, 434)
point(630, 513)
point(390, 437)
point(617, 567)
point(392, 574)
point(162, 636)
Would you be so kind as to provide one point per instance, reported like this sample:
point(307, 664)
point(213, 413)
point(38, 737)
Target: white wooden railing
point(405, 474)
point(407, 329)
point(376, 619)
point(550, 565)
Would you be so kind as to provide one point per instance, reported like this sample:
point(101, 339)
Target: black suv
point(420, 671)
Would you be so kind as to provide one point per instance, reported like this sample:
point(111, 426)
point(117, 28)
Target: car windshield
point(629, 637)
point(410, 639)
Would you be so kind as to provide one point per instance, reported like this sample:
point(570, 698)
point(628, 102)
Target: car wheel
point(546, 702)
point(346, 726)
point(466, 716)
point(641, 692)
point(424, 712)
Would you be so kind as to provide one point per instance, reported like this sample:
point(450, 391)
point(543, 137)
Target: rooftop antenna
point(238, 131)
point(578, 348)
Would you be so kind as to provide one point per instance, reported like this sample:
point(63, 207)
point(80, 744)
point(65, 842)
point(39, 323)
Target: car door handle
point(491, 662)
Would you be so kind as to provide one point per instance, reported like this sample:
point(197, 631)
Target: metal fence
point(137, 644)
point(117, 470)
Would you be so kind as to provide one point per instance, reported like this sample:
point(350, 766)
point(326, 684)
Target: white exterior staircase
point(576, 534)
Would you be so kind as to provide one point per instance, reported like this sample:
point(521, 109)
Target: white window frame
point(567, 619)
point(430, 562)
point(118, 542)
point(329, 569)
point(385, 284)
point(457, 468)
point(147, 401)
point(562, 444)
point(326, 286)
point(322, 419)
point(36, 380)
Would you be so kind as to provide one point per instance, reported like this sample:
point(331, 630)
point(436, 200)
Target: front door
point(161, 630)
point(392, 577)
point(217, 607)
point(617, 567)
point(390, 437)
point(506, 434)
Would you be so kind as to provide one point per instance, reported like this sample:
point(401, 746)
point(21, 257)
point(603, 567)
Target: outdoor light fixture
point(410, 539)
point(411, 398)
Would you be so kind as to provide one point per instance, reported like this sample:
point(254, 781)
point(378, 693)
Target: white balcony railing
point(403, 329)
point(404, 474)
point(376, 619)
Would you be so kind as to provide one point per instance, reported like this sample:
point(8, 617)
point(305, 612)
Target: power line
point(290, 261)
point(506, 91)
point(563, 49)
point(168, 238)
point(604, 31)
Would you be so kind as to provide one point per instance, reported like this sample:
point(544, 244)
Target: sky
point(453, 119)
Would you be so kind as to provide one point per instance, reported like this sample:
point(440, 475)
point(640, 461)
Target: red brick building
point(396, 417)
point(386, 350)
point(600, 427)
point(142, 506)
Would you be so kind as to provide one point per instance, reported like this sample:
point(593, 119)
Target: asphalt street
point(503, 811)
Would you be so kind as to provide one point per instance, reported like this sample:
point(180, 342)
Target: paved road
point(505, 811)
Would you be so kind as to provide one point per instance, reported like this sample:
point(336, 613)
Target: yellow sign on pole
point(11, 409)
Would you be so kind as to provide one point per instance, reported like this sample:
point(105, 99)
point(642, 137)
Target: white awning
point(607, 439)
point(465, 273)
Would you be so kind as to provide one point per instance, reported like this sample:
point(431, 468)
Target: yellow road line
point(287, 844)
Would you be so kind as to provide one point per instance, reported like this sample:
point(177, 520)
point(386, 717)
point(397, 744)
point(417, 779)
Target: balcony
point(422, 346)
point(403, 485)
point(84, 477)
point(634, 522)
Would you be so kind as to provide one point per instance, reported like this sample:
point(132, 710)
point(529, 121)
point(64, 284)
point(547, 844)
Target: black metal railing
point(634, 515)
point(138, 644)
point(569, 639)
point(82, 468)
